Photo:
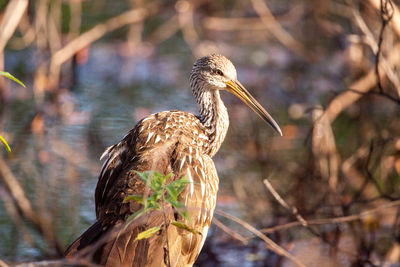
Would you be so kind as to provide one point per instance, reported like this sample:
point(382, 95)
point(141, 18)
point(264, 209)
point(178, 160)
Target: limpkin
point(169, 142)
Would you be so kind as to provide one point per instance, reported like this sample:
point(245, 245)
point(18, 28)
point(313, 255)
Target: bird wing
point(199, 197)
point(162, 142)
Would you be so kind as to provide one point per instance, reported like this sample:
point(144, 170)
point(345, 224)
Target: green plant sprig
point(10, 76)
point(161, 192)
point(6, 145)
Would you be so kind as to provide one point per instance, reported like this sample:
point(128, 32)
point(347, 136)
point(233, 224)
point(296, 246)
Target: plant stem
point(166, 227)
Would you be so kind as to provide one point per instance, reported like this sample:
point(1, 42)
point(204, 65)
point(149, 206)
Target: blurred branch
point(368, 169)
point(283, 203)
point(14, 215)
point(335, 220)
point(27, 35)
point(165, 31)
point(54, 26)
point(353, 176)
point(134, 36)
point(230, 232)
point(85, 39)
point(3, 264)
point(42, 35)
point(364, 85)
point(324, 148)
point(291, 17)
point(12, 15)
point(386, 15)
point(376, 48)
point(382, 94)
point(25, 207)
point(41, 25)
point(199, 46)
point(395, 21)
point(359, 88)
point(17, 192)
point(291, 209)
point(276, 29)
point(185, 17)
point(75, 7)
point(233, 24)
point(270, 244)
point(73, 156)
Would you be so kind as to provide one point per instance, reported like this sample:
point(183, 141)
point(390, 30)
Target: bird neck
point(214, 116)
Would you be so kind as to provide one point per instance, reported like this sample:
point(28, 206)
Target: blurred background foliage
point(93, 68)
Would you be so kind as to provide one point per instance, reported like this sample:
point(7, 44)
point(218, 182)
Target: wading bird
point(170, 142)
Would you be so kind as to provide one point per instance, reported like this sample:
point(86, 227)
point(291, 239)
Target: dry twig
point(324, 149)
point(334, 220)
point(283, 203)
point(395, 21)
point(229, 231)
point(386, 13)
point(12, 15)
point(292, 209)
point(376, 48)
point(270, 244)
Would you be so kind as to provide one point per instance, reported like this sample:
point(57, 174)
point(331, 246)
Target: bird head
point(216, 72)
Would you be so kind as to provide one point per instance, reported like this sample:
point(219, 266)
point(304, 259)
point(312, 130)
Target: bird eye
point(219, 73)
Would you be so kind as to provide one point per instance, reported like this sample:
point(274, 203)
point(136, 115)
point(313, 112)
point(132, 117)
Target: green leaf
point(167, 176)
point(176, 187)
point(155, 196)
point(180, 207)
point(6, 145)
point(148, 233)
point(172, 192)
point(174, 203)
point(133, 197)
point(185, 227)
point(157, 180)
point(157, 184)
point(152, 206)
point(185, 214)
point(143, 175)
point(9, 76)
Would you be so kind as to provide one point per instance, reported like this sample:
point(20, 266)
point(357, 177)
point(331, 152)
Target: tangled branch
point(386, 14)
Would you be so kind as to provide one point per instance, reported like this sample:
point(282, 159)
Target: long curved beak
point(238, 89)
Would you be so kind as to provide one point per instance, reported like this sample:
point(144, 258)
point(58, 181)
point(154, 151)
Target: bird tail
point(88, 238)
point(112, 246)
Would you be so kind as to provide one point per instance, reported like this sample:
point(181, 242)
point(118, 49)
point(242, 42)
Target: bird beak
point(238, 89)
